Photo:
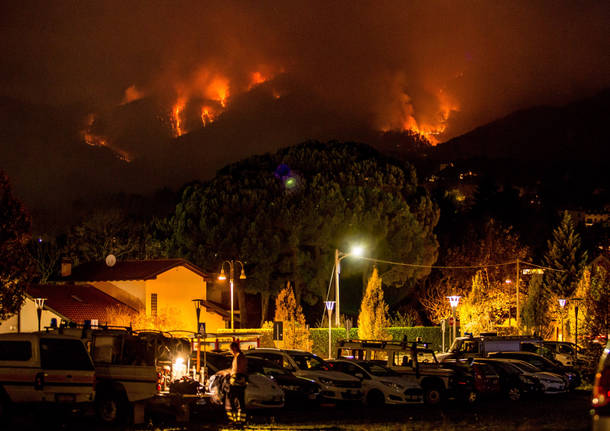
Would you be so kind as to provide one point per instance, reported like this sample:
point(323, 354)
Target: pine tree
point(564, 253)
point(296, 334)
point(535, 310)
point(373, 317)
point(597, 301)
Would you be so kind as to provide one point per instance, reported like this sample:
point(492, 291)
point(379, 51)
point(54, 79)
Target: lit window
point(153, 304)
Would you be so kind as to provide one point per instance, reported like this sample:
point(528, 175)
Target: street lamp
point(197, 303)
point(576, 302)
point(339, 256)
point(454, 301)
point(329, 307)
point(562, 303)
point(39, 306)
point(222, 276)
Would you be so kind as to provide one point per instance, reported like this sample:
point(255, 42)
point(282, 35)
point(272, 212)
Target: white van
point(482, 345)
point(44, 368)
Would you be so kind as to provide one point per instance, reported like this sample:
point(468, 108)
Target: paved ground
point(558, 412)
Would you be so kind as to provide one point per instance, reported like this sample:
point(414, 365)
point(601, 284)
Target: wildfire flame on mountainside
point(96, 140)
point(207, 115)
point(177, 122)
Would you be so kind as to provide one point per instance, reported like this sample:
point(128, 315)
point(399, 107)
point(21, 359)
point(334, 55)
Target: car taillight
point(601, 388)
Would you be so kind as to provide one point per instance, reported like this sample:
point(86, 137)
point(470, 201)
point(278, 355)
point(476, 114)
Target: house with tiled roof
point(159, 287)
point(68, 303)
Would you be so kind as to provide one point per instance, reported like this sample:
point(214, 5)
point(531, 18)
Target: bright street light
point(223, 276)
point(356, 251)
point(454, 301)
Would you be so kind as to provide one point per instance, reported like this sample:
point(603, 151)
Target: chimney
point(66, 267)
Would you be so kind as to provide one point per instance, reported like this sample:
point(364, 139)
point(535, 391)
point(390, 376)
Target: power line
point(415, 265)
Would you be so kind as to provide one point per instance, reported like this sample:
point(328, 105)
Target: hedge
point(319, 336)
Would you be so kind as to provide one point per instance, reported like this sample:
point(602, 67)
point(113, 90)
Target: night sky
point(131, 96)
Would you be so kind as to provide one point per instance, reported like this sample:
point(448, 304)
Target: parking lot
point(568, 411)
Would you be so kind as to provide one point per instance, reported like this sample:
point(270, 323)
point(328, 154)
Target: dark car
point(296, 389)
point(601, 393)
point(513, 383)
point(486, 380)
point(543, 364)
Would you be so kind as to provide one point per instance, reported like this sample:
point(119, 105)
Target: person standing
point(235, 403)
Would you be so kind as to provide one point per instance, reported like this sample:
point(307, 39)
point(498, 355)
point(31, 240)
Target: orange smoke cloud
point(131, 94)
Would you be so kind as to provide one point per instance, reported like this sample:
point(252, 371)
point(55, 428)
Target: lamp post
point(39, 307)
point(222, 276)
point(562, 303)
point(576, 302)
point(454, 301)
point(197, 303)
point(329, 307)
point(339, 256)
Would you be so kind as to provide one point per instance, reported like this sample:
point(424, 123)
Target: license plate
point(65, 398)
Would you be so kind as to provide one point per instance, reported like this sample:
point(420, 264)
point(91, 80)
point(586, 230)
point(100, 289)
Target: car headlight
point(394, 386)
point(326, 381)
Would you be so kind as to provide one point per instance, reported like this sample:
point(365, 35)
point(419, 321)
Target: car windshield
point(309, 361)
point(528, 368)
point(378, 370)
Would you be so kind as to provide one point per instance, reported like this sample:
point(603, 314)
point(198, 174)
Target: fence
point(319, 336)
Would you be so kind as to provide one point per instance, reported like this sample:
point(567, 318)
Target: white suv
point(334, 385)
point(44, 368)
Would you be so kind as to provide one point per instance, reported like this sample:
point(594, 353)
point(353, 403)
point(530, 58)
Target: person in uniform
point(235, 404)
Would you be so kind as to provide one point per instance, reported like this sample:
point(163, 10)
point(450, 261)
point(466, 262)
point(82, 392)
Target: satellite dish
point(110, 260)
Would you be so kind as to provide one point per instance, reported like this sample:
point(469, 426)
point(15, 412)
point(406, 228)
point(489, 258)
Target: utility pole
point(517, 284)
point(337, 301)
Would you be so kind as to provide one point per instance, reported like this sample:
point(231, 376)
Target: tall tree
point(296, 333)
point(373, 317)
point(283, 214)
point(104, 232)
point(536, 307)
point(564, 252)
point(489, 245)
point(16, 268)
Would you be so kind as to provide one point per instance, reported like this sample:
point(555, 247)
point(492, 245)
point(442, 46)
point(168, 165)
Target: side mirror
point(359, 375)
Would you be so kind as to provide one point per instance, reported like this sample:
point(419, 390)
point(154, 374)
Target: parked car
point(39, 368)
point(296, 389)
point(334, 385)
point(486, 379)
point(380, 384)
point(261, 391)
point(543, 364)
point(601, 393)
point(531, 378)
point(514, 384)
point(417, 361)
point(563, 351)
point(481, 346)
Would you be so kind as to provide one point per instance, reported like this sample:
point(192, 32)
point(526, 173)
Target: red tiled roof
point(128, 270)
point(77, 302)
